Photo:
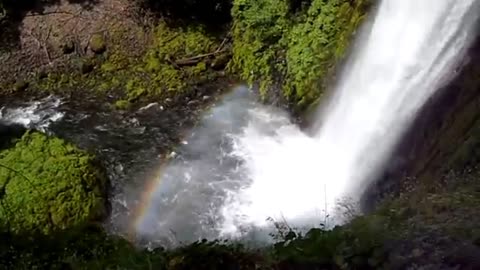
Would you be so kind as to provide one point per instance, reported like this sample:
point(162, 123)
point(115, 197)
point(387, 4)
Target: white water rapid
point(36, 114)
point(246, 162)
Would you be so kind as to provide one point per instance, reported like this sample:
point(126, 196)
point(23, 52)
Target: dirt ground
point(41, 38)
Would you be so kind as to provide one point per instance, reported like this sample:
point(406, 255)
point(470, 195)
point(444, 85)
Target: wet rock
point(119, 169)
point(206, 98)
point(21, 85)
point(172, 155)
point(193, 103)
point(134, 122)
point(149, 107)
point(68, 47)
point(98, 44)
point(139, 130)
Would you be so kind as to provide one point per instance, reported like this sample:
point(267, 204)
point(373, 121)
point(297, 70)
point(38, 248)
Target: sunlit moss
point(258, 27)
point(48, 184)
point(296, 50)
point(315, 45)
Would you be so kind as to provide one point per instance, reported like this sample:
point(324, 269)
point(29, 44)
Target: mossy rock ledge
point(47, 184)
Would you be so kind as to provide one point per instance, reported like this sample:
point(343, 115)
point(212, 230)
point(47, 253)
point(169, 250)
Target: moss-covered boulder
point(98, 44)
point(47, 184)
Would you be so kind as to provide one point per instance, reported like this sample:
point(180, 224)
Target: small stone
point(206, 97)
point(97, 44)
point(68, 47)
point(21, 85)
point(134, 122)
point(119, 169)
point(172, 155)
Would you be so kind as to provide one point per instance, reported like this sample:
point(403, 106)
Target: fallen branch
point(41, 44)
point(195, 59)
point(51, 13)
point(222, 44)
point(45, 49)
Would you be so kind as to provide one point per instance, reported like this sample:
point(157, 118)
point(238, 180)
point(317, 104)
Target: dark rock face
point(445, 136)
point(8, 133)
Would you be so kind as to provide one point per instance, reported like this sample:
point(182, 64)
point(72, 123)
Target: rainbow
point(154, 181)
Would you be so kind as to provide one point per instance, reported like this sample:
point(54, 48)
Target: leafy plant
point(277, 44)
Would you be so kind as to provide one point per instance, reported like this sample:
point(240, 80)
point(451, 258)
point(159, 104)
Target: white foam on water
point(37, 114)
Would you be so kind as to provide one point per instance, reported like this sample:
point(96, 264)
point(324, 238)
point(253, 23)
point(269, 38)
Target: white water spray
point(410, 50)
point(246, 163)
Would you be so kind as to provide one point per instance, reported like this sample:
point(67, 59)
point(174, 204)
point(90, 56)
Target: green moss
point(173, 44)
point(98, 43)
point(48, 184)
point(122, 104)
point(108, 67)
point(296, 50)
point(315, 45)
point(258, 27)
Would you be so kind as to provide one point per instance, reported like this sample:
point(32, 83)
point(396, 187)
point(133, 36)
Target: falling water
point(409, 49)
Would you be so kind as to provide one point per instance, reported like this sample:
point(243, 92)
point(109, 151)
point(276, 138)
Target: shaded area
point(88, 247)
point(15, 11)
point(213, 13)
point(8, 133)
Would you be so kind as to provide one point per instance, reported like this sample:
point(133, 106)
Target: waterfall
point(272, 169)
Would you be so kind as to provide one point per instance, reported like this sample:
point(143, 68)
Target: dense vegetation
point(47, 184)
point(278, 45)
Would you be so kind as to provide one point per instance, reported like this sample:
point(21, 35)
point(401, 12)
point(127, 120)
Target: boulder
point(98, 44)
point(47, 184)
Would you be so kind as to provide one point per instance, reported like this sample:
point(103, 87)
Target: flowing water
point(244, 163)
